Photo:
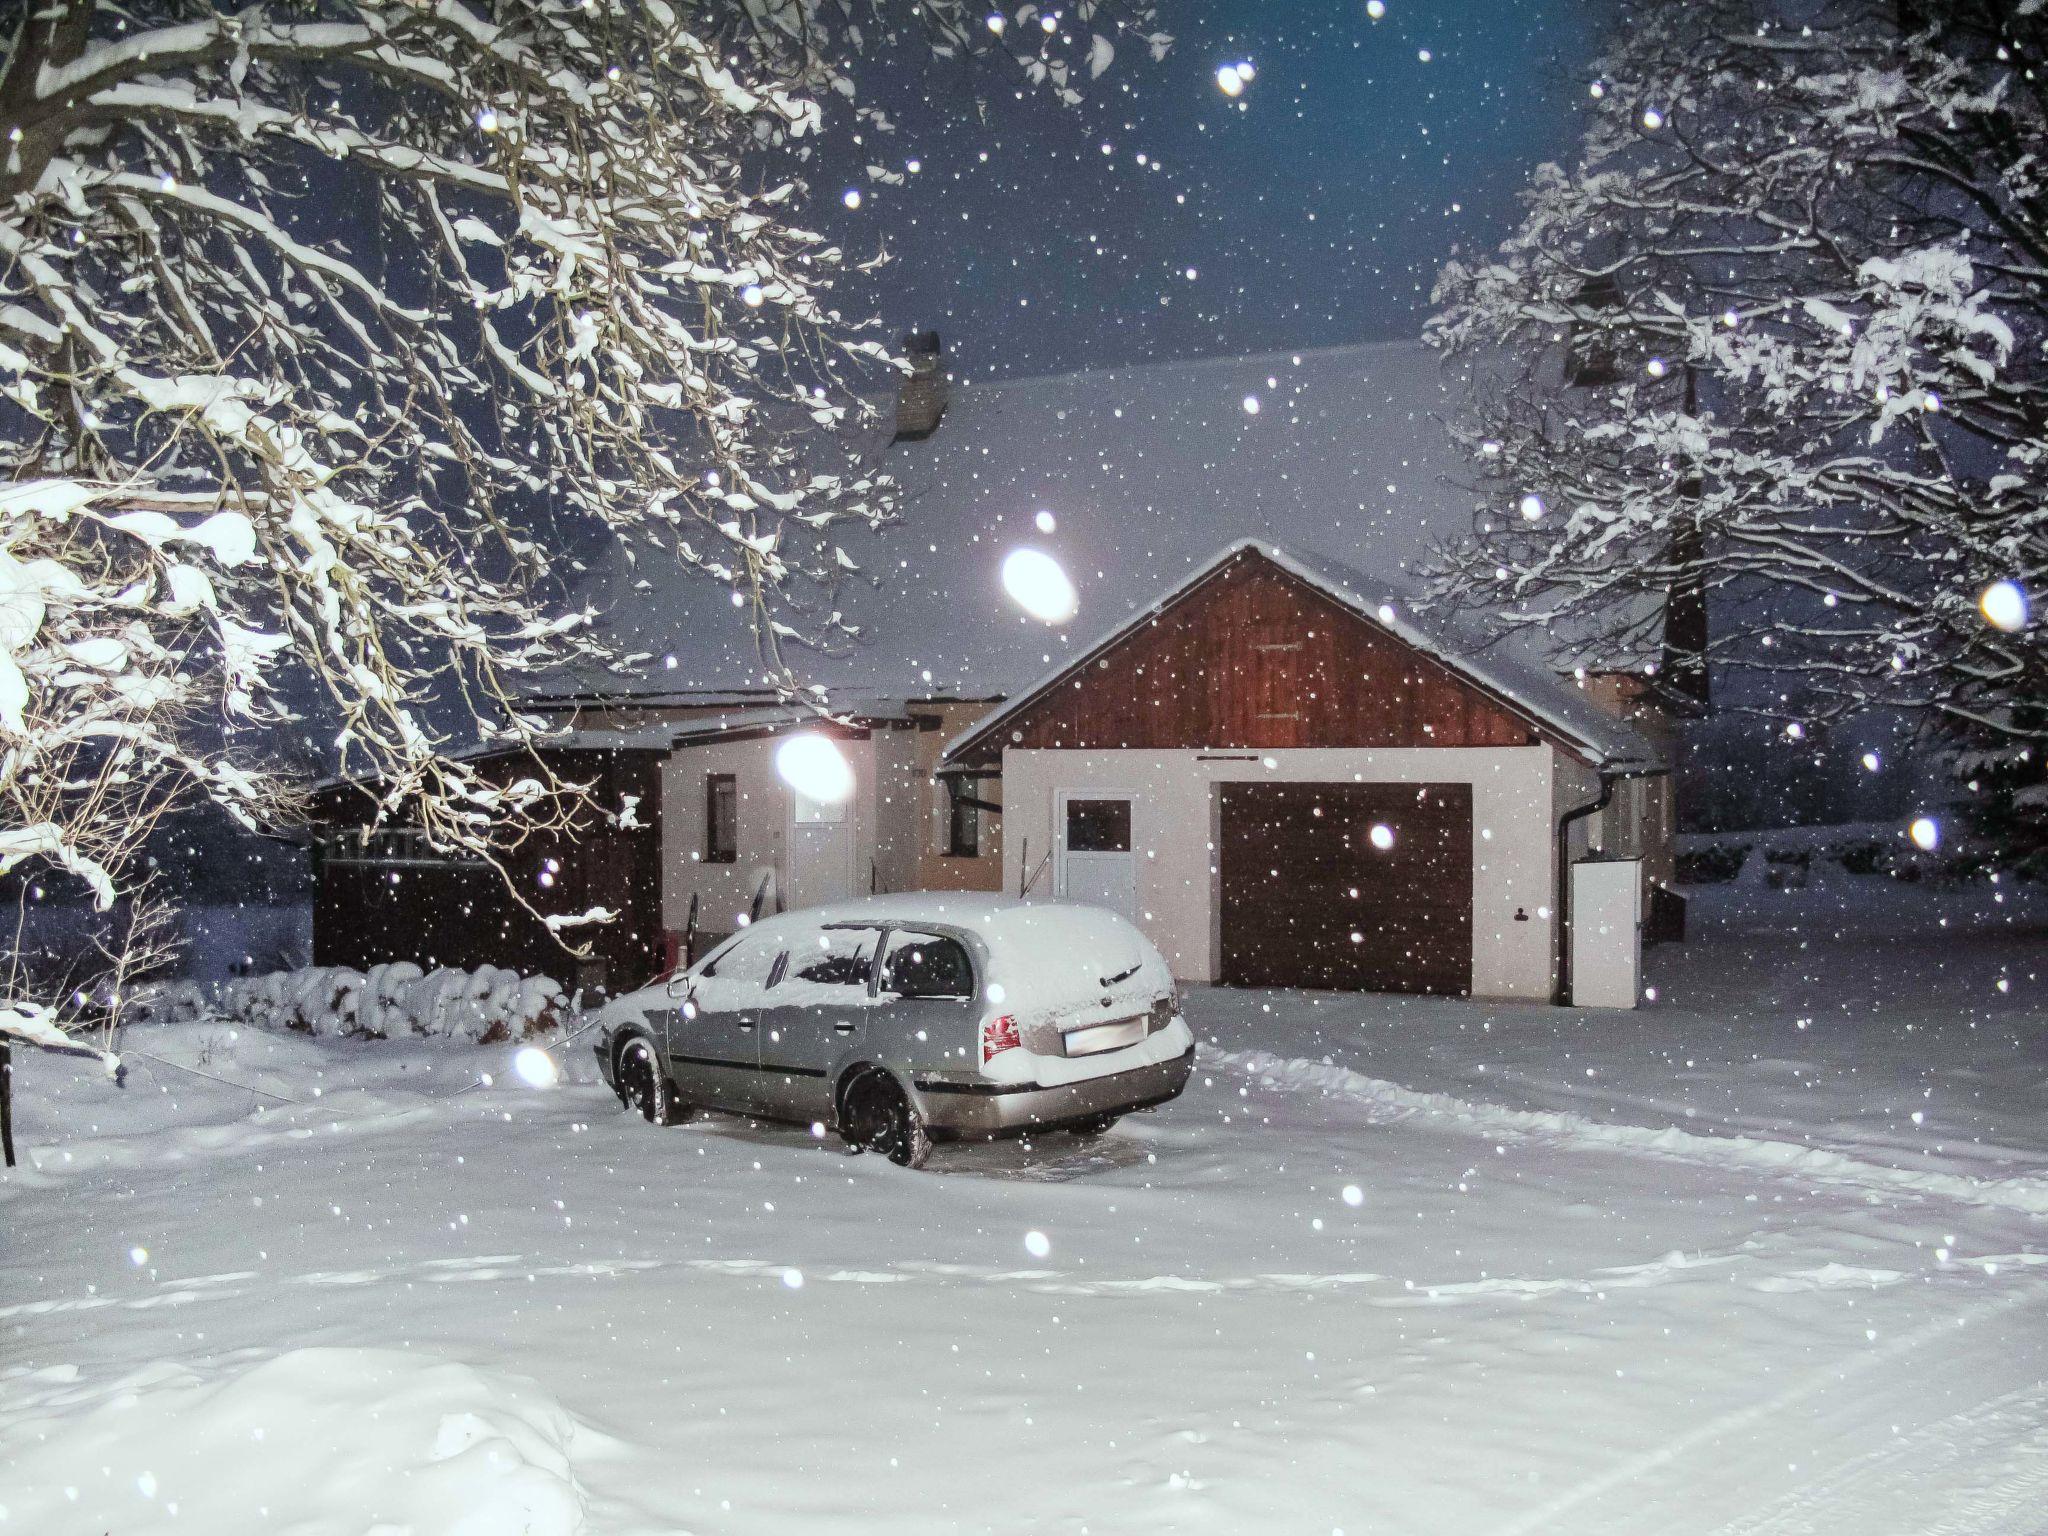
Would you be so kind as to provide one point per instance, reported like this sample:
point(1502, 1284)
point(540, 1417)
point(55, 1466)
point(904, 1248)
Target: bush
point(482, 1006)
point(1715, 864)
point(1787, 869)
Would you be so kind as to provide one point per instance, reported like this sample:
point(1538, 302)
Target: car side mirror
point(679, 986)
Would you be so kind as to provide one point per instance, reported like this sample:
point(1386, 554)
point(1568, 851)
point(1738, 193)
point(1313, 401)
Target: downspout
point(1563, 992)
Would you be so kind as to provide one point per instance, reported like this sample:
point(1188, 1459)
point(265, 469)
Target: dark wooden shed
point(383, 894)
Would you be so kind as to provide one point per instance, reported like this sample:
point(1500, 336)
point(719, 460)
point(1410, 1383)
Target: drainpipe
point(1565, 823)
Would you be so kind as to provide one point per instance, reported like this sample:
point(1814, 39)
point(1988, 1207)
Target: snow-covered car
point(900, 1019)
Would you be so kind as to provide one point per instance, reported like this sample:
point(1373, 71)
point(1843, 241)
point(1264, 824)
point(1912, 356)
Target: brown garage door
point(1310, 899)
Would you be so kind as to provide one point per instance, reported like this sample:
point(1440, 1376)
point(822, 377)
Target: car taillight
point(998, 1035)
point(1162, 1013)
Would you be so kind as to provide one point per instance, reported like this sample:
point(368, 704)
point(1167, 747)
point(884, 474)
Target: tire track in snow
point(1746, 1446)
point(1989, 1463)
point(1387, 1103)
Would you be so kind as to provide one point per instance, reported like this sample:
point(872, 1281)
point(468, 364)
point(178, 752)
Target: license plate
point(1097, 1038)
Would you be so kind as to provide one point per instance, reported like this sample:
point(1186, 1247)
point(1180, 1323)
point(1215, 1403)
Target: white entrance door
point(820, 852)
point(1097, 864)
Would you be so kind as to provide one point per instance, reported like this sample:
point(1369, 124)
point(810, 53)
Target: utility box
point(1607, 933)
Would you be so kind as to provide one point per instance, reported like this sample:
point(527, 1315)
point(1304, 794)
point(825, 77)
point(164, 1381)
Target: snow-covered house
point(1272, 512)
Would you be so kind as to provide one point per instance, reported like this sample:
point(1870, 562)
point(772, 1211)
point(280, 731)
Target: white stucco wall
point(727, 890)
point(1174, 828)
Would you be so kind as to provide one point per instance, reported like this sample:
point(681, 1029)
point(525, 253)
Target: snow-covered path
point(1548, 1309)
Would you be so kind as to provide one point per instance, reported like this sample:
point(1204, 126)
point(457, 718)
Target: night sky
point(1315, 209)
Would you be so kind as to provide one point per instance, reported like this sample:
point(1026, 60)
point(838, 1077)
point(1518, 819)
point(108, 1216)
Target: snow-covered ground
point(1768, 1257)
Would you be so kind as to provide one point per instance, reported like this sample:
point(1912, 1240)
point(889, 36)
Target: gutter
point(1561, 994)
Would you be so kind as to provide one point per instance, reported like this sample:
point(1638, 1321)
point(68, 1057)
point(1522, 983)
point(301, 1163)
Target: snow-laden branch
point(1777, 342)
point(278, 473)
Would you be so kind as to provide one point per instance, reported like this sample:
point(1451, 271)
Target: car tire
point(645, 1087)
point(878, 1117)
point(1089, 1129)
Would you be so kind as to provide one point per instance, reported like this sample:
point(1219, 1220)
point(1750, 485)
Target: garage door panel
point(1309, 899)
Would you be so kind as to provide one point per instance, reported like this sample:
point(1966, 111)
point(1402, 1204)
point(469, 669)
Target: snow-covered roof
point(1509, 672)
point(1144, 472)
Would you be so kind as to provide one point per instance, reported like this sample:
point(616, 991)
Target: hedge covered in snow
point(395, 1001)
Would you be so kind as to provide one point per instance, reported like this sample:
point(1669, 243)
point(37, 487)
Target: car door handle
point(842, 1029)
point(747, 1024)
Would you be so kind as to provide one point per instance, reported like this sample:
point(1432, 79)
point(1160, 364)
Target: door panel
point(820, 851)
point(931, 1009)
point(714, 1040)
point(1363, 887)
point(1098, 864)
point(821, 1005)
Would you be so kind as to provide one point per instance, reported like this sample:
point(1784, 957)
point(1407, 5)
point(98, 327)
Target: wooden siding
point(369, 909)
point(1255, 657)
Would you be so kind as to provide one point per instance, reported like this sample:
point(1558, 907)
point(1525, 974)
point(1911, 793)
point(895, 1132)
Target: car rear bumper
point(980, 1109)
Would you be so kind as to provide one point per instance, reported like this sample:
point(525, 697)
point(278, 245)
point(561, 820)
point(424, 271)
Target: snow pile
point(316, 1441)
point(483, 1006)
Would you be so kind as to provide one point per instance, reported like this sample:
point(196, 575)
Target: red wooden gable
point(1256, 657)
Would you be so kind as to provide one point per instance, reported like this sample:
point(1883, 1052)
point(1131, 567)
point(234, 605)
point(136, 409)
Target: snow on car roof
point(1142, 471)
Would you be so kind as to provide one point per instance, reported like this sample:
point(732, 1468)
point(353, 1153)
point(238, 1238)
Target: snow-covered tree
point(327, 327)
point(1778, 338)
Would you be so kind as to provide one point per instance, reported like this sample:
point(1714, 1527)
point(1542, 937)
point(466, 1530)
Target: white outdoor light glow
point(2004, 606)
point(1037, 584)
point(1382, 836)
point(812, 766)
point(536, 1068)
point(1926, 833)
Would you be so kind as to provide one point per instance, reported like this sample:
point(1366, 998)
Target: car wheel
point(878, 1118)
point(645, 1087)
point(1088, 1130)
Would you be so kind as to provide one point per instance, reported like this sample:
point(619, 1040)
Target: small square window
point(1098, 826)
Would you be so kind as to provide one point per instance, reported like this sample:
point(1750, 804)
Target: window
point(1098, 826)
point(838, 957)
point(805, 811)
point(963, 820)
point(721, 818)
point(927, 965)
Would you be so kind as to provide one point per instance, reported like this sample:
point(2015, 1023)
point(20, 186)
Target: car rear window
point(927, 965)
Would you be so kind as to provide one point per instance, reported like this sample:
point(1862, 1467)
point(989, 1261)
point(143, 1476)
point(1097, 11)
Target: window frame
point(715, 851)
point(959, 791)
point(888, 946)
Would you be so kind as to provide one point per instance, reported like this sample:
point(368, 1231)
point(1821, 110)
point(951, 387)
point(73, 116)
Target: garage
point(1357, 887)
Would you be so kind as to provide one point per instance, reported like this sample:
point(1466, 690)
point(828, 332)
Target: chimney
point(921, 398)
